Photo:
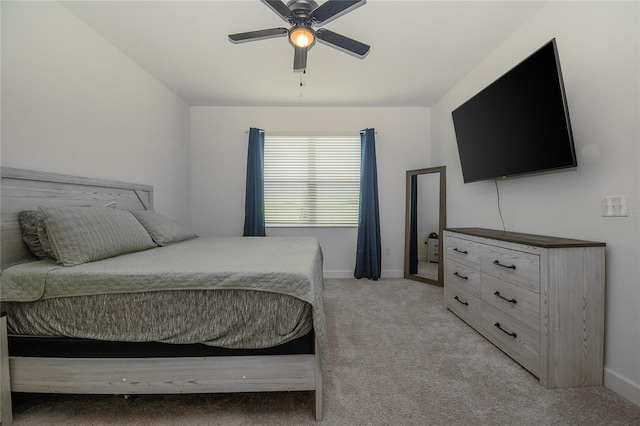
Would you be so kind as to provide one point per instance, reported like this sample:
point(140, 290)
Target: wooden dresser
point(539, 299)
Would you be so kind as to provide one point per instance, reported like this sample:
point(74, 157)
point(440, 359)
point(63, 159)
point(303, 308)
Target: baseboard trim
point(392, 273)
point(349, 274)
point(622, 386)
point(338, 274)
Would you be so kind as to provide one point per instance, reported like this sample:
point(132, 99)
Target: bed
point(153, 306)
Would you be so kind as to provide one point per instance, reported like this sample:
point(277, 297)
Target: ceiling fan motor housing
point(301, 11)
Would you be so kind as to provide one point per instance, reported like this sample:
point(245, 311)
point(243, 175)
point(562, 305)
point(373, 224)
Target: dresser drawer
point(521, 304)
point(466, 278)
point(517, 267)
point(464, 304)
point(463, 251)
point(512, 336)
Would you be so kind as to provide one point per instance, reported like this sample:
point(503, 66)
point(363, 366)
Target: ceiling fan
point(303, 15)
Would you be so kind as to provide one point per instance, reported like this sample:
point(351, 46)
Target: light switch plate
point(614, 206)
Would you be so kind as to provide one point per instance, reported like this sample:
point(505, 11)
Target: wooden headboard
point(27, 190)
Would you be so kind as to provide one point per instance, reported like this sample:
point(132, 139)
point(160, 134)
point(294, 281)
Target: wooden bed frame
point(27, 190)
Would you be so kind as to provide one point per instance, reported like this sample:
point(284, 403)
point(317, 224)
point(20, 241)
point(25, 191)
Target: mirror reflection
point(425, 221)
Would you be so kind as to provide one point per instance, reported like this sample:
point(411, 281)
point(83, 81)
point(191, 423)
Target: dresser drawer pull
point(464, 303)
point(497, 293)
point(497, 325)
point(456, 249)
point(460, 276)
point(497, 262)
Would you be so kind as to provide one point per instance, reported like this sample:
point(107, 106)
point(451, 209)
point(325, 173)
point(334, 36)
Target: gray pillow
point(32, 224)
point(85, 234)
point(163, 230)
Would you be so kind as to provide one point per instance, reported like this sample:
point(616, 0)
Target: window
point(311, 180)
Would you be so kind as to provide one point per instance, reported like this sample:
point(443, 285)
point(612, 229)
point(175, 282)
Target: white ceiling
point(419, 49)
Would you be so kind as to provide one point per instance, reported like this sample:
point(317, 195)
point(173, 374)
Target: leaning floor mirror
point(425, 221)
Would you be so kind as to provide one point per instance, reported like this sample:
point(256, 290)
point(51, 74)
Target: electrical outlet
point(387, 251)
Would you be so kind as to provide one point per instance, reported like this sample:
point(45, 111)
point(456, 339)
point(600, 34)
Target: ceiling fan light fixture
point(302, 36)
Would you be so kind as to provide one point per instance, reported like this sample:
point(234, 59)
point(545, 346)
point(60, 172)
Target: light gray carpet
point(397, 357)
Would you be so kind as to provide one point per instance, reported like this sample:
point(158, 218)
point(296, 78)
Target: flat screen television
point(519, 124)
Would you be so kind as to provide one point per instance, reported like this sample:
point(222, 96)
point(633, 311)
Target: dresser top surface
point(528, 239)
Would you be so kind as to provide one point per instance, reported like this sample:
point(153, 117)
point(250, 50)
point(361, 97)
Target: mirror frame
point(441, 170)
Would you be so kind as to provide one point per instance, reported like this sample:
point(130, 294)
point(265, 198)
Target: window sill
point(310, 226)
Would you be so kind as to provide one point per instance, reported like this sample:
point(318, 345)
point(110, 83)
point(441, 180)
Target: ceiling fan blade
point(258, 35)
point(281, 9)
point(333, 9)
point(300, 58)
point(343, 43)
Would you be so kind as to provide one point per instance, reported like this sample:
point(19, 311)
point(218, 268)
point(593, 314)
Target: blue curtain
point(413, 231)
point(254, 195)
point(369, 250)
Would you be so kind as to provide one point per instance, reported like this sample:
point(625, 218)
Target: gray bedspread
point(285, 265)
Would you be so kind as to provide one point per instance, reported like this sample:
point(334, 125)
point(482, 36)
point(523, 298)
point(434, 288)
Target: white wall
point(74, 104)
point(598, 43)
point(219, 152)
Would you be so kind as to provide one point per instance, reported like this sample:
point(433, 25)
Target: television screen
point(518, 124)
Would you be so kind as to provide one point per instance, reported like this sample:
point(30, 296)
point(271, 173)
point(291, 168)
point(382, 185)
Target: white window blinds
point(311, 180)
